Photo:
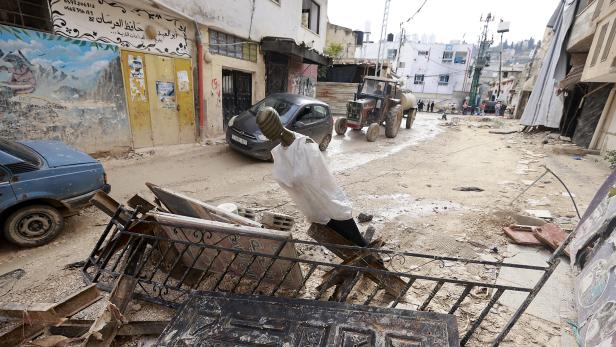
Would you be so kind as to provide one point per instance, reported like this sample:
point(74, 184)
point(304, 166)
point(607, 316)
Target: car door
point(314, 122)
point(7, 195)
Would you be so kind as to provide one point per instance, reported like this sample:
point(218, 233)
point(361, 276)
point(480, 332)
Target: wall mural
point(52, 87)
point(110, 22)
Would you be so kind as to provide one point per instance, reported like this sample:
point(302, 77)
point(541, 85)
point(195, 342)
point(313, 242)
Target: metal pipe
point(200, 77)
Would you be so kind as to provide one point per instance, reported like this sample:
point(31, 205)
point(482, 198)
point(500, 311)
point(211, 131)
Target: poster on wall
point(111, 22)
point(166, 94)
point(136, 78)
point(52, 87)
point(183, 82)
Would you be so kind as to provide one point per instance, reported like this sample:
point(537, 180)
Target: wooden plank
point(521, 236)
point(394, 285)
point(78, 327)
point(186, 206)
point(68, 307)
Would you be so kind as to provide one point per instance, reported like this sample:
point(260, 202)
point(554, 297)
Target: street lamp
point(503, 27)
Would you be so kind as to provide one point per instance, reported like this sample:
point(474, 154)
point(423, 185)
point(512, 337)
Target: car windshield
point(20, 151)
point(281, 106)
point(373, 87)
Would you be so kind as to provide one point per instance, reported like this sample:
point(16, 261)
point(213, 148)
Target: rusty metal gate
point(277, 66)
point(236, 93)
point(169, 268)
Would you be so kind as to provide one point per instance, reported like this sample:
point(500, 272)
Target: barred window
point(232, 46)
point(31, 14)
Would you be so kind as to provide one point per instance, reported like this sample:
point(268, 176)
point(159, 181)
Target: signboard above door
point(111, 22)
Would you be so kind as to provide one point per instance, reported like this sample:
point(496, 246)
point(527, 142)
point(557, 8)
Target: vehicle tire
point(410, 119)
point(373, 132)
point(341, 126)
point(32, 226)
point(393, 121)
point(325, 142)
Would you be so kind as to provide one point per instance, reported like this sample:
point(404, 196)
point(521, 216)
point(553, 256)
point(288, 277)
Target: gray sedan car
point(298, 113)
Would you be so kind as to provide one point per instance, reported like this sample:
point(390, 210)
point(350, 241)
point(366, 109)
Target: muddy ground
point(407, 183)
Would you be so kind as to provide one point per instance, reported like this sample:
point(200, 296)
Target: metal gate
point(277, 66)
point(169, 268)
point(236, 93)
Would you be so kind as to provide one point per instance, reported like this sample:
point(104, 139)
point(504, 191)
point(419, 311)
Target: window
point(599, 44)
point(419, 79)
point(608, 44)
point(460, 58)
point(232, 46)
point(401, 65)
point(32, 14)
point(311, 114)
point(423, 53)
point(443, 80)
point(391, 54)
point(447, 57)
point(311, 14)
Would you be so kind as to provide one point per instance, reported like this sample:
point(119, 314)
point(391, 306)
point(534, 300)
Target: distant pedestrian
point(432, 107)
point(497, 108)
point(420, 105)
point(482, 107)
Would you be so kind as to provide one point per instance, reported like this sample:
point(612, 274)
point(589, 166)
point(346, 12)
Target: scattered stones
point(364, 217)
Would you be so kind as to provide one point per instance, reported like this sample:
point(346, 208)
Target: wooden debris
point(71, 305)
point(78, 327)
point(394, 285)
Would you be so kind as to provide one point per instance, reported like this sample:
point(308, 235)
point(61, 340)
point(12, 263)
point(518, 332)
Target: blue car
point(41, 182)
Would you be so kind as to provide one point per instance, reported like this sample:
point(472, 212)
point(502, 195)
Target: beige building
point(345, 37)
point(590, 82)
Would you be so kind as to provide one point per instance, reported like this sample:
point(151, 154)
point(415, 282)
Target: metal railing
point(171, 262)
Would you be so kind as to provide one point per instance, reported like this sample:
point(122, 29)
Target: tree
point(506, 44)
point(334, 50)
point(531, 43)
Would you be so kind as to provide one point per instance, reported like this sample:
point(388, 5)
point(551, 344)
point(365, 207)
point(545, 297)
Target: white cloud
point(14, 45)
point(92, 69)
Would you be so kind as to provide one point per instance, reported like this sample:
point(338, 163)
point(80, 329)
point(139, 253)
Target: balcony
point(581, 36)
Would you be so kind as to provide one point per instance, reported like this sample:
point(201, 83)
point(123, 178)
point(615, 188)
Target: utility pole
point(481, 61)
point(503, 27)
point(383, 37)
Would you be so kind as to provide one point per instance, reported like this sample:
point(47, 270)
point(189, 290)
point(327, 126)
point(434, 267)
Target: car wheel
point(33, 226)
point(341, 126)
point(373, 132)
point(325, 142)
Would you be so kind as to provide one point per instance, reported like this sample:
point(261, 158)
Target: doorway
point(159, 92)
point(236, 93)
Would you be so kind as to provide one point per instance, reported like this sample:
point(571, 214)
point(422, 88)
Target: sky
point(446, 19)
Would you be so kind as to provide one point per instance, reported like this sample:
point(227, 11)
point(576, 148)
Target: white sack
point(300, 169)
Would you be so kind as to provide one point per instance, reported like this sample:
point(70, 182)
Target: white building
point(433, 71)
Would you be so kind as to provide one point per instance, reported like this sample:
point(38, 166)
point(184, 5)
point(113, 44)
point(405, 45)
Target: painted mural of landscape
point(52, 87)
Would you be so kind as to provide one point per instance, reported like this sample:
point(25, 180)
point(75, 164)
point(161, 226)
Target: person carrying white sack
point(300, 169)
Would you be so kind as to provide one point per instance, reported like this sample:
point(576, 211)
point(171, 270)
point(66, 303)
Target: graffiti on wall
point(304, 85)
point(110, 22)
point(53, 87)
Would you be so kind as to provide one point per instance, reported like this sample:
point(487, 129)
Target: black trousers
point(349, 230)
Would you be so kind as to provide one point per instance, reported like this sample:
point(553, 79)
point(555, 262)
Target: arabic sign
point(109, 22)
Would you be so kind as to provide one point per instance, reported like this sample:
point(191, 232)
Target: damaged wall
point(59, 88)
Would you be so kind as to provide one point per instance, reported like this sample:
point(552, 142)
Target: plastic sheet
point(300, 169)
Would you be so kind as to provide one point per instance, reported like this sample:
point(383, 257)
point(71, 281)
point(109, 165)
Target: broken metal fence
point(170, 265)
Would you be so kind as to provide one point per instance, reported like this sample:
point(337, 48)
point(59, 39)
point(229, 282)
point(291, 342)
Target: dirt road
point(407, 183)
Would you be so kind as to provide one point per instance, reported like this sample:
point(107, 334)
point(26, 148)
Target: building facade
point(432, 71)
point(107, 75)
